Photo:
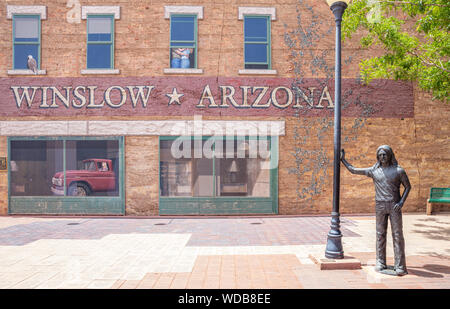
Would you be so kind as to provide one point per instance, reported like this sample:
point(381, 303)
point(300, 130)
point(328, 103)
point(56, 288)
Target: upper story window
point(100, 38)
point(100, 42)
point(183, 41)
point(257, 44)
point(26, 38)
point(183, 47)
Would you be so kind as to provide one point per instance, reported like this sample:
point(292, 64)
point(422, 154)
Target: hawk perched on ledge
point(32, 65)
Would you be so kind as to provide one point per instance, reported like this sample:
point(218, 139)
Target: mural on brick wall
point(187, 96)
point(308, 96)
point(312, 166)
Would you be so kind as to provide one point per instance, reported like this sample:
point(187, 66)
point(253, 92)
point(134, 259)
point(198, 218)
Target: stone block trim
point(174, 9)
point(26, 72)
point(243, 10)
point(85, 10)
point(100, 71)
point(141, 128)
point(183, 71)
point(257, 72)
point(26, 9)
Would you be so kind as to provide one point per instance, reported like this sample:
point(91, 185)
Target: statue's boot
point(380, 266)
point(401, 271)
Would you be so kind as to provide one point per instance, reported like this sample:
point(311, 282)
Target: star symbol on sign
point(174, 96)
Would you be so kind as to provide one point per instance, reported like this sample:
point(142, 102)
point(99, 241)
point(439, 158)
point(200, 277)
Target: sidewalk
point(237, 252)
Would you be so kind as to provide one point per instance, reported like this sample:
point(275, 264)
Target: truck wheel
point(78, 189)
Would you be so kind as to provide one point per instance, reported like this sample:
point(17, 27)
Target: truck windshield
point(89, 166)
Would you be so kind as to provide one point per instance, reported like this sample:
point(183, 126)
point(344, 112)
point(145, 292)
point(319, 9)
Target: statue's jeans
point(385, 210)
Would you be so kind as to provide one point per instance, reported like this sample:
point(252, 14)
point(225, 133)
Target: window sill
point(100, 71)
point(183, 71)
point(258, 72)
point(26, 72)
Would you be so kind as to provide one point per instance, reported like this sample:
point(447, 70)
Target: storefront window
point(176, 175)
point(32, 166)
point(203, 172)
point(242, 173)
point(215, 167)
point(89, 168)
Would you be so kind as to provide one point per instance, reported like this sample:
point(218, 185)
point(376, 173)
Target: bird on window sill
point(32, 65)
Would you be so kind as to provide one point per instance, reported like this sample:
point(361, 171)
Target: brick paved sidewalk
point(196, 253)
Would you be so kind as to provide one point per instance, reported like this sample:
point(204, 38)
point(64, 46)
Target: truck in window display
point(96, 175)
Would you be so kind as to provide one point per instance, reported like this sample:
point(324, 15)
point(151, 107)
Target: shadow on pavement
point(424, 274)
point(437, 268)
point(433, 232)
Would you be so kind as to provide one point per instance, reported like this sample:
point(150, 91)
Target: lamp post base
point(334, 248)
point(334, 240)
point(348, 262)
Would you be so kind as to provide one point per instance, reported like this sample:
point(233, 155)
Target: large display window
point(218, 175)
point(66, 175)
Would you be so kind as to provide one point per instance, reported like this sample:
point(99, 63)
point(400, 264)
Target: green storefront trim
point(89, 205)
point(217, 205)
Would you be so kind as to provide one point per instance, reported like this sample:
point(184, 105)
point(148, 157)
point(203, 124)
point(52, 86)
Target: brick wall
point(420, 143)
point(141, 180)
point(142, 37)
point(3, 179)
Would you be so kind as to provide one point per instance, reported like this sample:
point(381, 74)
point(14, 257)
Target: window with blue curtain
point(100, 41)
point(257, 42)
point(183, 41)
point(26, 40)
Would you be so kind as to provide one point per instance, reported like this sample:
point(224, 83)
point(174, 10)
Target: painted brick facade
point(411, 123)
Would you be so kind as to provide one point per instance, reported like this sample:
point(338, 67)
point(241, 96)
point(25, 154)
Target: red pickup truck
point(96, 175)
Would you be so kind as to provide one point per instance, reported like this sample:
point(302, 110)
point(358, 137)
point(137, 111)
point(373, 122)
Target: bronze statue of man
point(387, 176)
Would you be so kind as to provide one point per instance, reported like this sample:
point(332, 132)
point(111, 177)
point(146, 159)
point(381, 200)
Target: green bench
point(437, 195)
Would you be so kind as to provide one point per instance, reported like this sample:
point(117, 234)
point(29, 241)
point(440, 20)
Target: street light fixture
point(334, 241)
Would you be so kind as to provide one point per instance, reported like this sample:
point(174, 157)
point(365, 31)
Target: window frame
point(268, 41)
point(34, 16)
point(111, 42)
point(26, 10)
point(69, 204)
point(221, 201)
point(197, 11)
point(195, 42)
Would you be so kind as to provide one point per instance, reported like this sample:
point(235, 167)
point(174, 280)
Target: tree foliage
point(417, 53)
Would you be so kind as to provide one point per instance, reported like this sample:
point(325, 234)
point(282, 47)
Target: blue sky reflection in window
point(100, 53)
point(183, 41)
point(257, 42)
point(26, 40)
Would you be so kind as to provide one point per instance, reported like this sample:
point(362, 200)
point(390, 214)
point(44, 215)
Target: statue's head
point(385, 155)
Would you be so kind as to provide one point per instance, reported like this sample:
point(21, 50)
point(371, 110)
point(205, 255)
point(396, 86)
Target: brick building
point(173, 107)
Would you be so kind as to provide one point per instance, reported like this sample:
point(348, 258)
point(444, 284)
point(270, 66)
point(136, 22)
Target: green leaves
point(417, 53)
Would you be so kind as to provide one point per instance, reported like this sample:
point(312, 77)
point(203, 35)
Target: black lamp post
point(334, 243)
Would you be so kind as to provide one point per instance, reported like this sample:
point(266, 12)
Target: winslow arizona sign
point(185, 96)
